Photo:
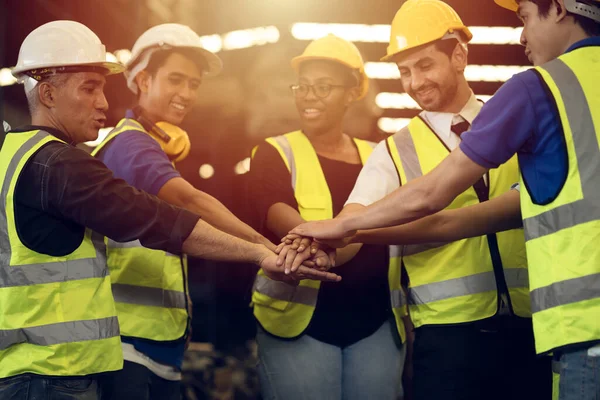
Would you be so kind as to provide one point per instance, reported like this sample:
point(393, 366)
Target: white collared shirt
point(379, 177)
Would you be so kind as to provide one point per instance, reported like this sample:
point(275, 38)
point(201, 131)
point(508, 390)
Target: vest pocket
point(266, 301)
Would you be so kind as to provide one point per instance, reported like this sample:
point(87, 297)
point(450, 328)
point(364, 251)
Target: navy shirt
point(139, 160)
point(350, 310)
point(522, 118)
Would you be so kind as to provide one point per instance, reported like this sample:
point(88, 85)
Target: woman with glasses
point(323, 341)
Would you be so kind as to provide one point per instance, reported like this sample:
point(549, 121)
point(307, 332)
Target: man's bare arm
point(499, 214)
point(179, 192)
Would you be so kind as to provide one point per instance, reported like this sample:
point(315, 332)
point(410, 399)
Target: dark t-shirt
point(356, 307)
point(62, 189)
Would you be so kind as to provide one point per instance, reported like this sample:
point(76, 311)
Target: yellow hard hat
point(508, 4)
point(419, 22)
point(336, 49)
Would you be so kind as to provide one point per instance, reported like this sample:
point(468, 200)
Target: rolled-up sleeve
point(505, 123)
point(82, 189)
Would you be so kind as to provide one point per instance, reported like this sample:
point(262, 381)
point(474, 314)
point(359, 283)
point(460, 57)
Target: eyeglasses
point(321, 90)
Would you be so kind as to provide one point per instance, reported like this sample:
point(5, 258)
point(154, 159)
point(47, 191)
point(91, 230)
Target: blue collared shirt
point(522, 118)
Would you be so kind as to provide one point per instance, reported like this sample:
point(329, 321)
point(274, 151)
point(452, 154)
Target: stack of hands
point(309, 251)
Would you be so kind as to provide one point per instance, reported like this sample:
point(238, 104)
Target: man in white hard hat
point(58, 324)
point(549, 116)
point(165, 71)
point(468, 299)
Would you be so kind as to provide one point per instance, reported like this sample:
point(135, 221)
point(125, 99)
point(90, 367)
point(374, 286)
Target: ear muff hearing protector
point(174, 141)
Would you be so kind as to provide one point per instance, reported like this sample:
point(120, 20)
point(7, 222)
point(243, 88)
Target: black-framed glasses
point(321, 90)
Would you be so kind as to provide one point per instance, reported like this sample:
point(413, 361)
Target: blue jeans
point(579, 374)
point(36, 387)
point(307, 369)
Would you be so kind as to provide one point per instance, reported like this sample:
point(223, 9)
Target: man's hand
point(316, 244)
point(295, 250)
point(326, 229)
point(273, 271)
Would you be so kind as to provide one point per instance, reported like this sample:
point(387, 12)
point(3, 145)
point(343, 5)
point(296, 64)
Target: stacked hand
point(275, 270)
point(296, 250)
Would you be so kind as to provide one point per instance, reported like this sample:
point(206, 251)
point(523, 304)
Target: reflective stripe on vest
point(286, 310)
point(433, 268)
point(562, 236)
point(40, 322)
point(148, 285)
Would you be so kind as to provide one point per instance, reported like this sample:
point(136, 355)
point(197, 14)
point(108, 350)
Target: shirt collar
point(591, 41)
point(441, 122)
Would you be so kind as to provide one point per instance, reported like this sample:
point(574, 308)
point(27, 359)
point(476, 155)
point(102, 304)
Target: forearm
point(282, 218)
point(215, 213)
point(497, 215)
point(210, 243)
point(420, 197)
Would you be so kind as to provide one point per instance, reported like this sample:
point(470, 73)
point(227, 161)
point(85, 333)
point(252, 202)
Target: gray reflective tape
point(587, 152)
point(35, 274)
point(282, 291)
point(284, 143)
point(5, 250)
point(451, 288)
point(63, 332)
point(124, 245)
point(398, 298)
point(412, 249)
point(565, 292)
point(148, 296)
point(408, 154)
point(395, 251)
point(555, 367)
point(516, 278)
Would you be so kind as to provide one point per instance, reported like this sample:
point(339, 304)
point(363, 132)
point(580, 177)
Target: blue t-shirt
point(522, 118)
point(138, 159)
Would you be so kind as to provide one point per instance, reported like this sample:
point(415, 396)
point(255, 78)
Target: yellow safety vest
point(57, 315)
point(456, 282)
point(563, 236)
point(285, 310)
point(149, 286)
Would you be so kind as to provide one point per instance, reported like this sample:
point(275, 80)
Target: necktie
point(480, 188)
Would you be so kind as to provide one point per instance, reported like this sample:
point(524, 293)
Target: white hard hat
point(167, 36)
point(61, 44)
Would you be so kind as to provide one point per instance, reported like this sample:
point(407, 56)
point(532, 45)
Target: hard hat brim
point(364, 84)
point(111, 67)
point(213, 61)
point(508, 4)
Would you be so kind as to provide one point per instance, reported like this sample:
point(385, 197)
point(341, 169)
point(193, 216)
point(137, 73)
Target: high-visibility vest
point(57, 315)
point(461, 281)
point(285, 310)
point(149, 286)
point(563, 235)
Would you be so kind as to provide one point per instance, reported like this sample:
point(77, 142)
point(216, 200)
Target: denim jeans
point(307, 369)
point(37, 387)
point(136, 382)
point(579, 374)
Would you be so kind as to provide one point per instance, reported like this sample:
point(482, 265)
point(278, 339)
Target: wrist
point(261, 253)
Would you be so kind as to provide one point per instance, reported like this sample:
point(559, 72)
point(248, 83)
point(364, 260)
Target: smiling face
point(322, 113)
point(171, 91)
point(432, 77)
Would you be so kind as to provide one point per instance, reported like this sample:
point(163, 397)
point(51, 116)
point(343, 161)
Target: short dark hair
point(590, 26)
point(446, 46)
point(159, 58)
